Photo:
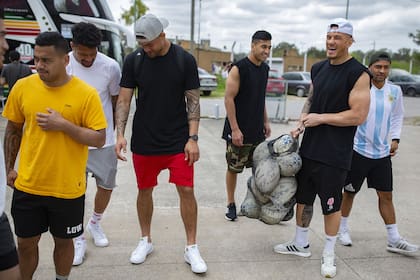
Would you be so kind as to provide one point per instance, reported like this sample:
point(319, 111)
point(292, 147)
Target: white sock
point(301, 236)
point(80, 237)
point(343, 224)
point(330, 243)
point(393, 234)
point(96, 218)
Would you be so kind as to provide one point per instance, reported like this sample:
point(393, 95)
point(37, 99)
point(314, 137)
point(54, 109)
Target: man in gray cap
point(165, 128)
point(338, 102)
point(372, 154)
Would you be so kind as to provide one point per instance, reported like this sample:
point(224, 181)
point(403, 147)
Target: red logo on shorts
point(330, 203)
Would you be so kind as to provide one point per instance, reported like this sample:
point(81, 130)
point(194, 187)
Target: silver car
point(208, 82)
point(298, 83)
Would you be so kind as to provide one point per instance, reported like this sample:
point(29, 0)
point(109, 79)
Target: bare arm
point(55, 122)
point(305, 110)
point(359, 107)
point(114, 99)
point(12, 140)
point(121, 116)
point(232, 89)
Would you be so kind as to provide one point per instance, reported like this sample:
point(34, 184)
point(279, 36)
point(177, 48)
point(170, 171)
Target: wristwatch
point(193, 137)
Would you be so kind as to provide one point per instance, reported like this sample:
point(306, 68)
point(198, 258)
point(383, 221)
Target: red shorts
point(147, 169)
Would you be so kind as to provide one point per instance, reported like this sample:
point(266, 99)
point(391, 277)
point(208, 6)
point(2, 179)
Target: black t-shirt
point(250, 102)
point(160, 124)
point(332, 84)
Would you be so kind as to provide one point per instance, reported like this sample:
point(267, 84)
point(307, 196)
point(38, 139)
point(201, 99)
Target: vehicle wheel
point(206, 92)
point(300, 92)
point(411, 92)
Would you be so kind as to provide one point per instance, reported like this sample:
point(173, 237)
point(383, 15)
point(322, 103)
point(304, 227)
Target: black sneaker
point(231, 212)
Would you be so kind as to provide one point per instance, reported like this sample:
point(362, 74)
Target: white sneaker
point(98, 234)
point(344, 238)
point(328, 267)
point(192, 257)
point(290, 248)
point(143, 249)
point(403, 247)
point(79, 251)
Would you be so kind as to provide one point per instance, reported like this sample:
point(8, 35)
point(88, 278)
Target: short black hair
point(86, 34)
point(54, 39)
point(379, 56)
point(14, 55)
point(261, 35)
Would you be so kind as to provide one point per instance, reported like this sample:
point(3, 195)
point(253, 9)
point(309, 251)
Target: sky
point(229, 24)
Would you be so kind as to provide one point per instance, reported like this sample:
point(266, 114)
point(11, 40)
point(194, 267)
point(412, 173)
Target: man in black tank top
point(338, 102)
point(246, 124)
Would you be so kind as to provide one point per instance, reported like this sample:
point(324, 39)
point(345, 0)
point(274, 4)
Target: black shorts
point(378, 173)
point(34, 215)
point(316, 178)
point(8, 253)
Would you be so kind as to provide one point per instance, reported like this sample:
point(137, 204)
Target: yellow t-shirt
point(51, 163)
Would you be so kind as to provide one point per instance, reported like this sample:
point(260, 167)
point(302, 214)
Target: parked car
point(298, 83)
point(275, 84)
point(208, 82)
point(410, 85)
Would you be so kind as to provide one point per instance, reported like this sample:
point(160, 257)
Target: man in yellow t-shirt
point(52, 119)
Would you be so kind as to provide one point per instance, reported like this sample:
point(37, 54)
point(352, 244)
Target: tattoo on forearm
point(308, 211)
point(193, 104)
point(308, 102)
point(12, 140)
point(121, 117)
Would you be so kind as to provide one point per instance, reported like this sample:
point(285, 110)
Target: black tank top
point(332, 145)
point(250, 102)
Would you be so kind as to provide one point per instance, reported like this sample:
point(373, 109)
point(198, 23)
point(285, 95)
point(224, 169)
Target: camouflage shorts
point(238, 158)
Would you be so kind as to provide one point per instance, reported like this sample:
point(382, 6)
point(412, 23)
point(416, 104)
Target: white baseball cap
point(148, 27)
point(340, 25)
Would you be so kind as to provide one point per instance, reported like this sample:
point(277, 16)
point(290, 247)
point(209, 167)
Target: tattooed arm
point(191, 150)
point(305, 110)
point(12, 140)
point(121, 117)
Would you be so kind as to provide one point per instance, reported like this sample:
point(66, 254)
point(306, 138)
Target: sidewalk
point(243, 249)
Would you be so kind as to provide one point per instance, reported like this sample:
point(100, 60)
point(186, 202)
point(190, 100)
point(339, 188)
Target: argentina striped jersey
point(383, 123)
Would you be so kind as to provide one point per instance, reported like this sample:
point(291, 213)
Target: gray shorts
point(102, 163)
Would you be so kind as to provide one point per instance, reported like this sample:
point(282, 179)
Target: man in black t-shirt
point(165, 128)
point(338, 102)
point(246, 123)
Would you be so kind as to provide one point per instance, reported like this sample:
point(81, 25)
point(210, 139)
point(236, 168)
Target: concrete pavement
point(243, 249)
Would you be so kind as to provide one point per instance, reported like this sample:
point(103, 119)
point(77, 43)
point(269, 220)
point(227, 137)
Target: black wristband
point(396, 140)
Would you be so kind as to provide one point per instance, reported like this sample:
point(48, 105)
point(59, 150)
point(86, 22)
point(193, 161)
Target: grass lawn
point(220, 90)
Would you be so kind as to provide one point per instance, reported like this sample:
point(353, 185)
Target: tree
point(136, 10)
point(415, 37)
point(282, 48)
point(403, 54)
point(315, 53)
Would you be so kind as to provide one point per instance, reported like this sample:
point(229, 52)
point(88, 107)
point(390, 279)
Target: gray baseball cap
point(340, 25)
point(148, 27)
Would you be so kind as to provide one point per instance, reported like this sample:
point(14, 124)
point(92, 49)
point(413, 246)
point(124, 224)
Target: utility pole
point(347, 9)
point(192, 27)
